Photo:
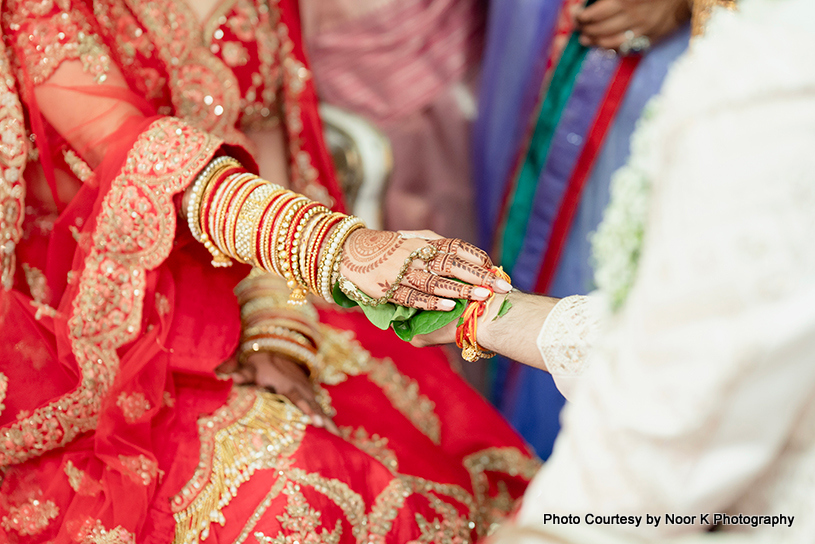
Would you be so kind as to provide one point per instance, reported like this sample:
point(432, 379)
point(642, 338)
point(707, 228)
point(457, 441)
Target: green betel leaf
point(502, 311)
point(406, 322)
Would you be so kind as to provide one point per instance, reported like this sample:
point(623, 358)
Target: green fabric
point(557, 95)
point(406, 322)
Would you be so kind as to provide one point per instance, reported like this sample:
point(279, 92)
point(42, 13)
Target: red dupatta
point(112, 329)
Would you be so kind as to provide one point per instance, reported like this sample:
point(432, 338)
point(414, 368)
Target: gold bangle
point(329, 262)
point(236, 208)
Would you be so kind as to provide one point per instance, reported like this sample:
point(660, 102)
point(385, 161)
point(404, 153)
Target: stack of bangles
point(467, 330)
point(237, 215)
point(269, 324)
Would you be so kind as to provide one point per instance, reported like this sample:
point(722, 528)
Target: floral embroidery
point(80, 481)
point(405, 397)
point(450, 528)
point(38, 286)
point(139, 468)
point(134, 233)
point(133, 406)
point(510, 461)
point(168, 399)
point(79, 167)
point(300, 523)
point(373, 445)
point(162, 305)
point(255, 24)
point(13, 156)
point(49, 38)
point(205, 92)
point(234, 54)
point(340, 356)
point(263, 428)
point(93, 532)
point(30, 518)
point(32, 353)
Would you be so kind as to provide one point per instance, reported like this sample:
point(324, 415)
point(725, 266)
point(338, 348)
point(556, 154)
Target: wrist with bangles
point(237, 215)
point(269, 324)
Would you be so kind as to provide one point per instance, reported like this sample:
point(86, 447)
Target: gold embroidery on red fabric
point(511, 461)
point(255, 430)
point(13, 155)
point(48, 38)
point(374, 445)
point(251, 523)
point(377, 525)
point(94, 532)
point(38, 286)
point(75, 476)
point(340, 356)
point(32, 353)
point(80, 481)
point(205, 92)
point(133, 406)
point(301, 523)
point(162, 305)
point(139, 468)
point(323, 398)
point(130, 39)
point(450, 528)
point(30, 518)
point(255, 22)
point(403, 393)
point(134, 233)
point(79, 167)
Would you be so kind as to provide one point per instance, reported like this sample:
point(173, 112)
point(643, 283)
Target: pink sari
point(405, 66)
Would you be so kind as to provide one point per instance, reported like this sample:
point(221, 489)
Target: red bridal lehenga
point(115, 428)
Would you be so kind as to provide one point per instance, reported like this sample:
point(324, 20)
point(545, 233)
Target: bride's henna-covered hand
point(373, 259)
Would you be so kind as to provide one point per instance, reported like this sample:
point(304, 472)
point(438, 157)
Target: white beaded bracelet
point(330, 262)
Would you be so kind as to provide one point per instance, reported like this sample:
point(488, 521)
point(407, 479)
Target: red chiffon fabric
point(115, 321)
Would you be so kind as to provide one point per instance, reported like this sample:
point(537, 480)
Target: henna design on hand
point(406, 296)
point(433, 284)
point(459, 248)
point(369, 249)
point(442, 264)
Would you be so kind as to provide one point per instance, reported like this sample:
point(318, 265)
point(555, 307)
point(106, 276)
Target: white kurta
point(699, 396)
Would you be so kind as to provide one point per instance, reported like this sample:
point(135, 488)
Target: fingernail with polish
point(481, 293)
point(502, 286)
point(318, 421)
point(446, 304)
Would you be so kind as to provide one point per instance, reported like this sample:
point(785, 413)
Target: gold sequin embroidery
point(374, 445)
point(134, 233)
point(30, 518)
point(79, 167)
point(133, 406)
point(340, 356)
point(301, 523)
point(512, 461)
point(253, 431)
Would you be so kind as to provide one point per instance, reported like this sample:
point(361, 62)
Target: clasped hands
point(418, 269)
point(380, 264)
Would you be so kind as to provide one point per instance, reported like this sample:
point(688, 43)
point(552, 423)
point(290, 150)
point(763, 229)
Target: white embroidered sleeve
point(566, 338)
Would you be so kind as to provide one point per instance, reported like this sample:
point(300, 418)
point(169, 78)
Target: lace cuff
point(566, 337)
